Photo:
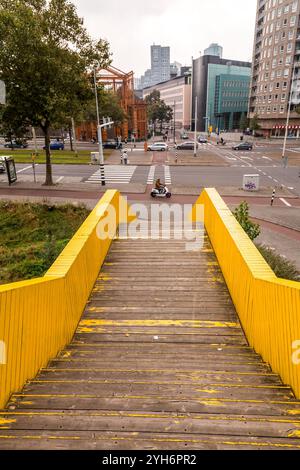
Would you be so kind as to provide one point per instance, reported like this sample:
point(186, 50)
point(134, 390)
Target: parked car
point(16, 144)
point(56, 145)
point(110, 144)
point(158, 147)
point(202, 139)
point(184, 136)
point(186, 146)
point(243, 146)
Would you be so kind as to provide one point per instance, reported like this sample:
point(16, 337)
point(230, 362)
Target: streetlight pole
point(196, 122)
point(99, 130)
point(174, 131)
point(284, 157)
point(74, 136)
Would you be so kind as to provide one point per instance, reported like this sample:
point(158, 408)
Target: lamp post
point(196, 122)
point(284, 157)
point(99, 130)
point(174, 131)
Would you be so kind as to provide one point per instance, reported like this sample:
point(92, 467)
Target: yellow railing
point(268, 307)
point(39, 317)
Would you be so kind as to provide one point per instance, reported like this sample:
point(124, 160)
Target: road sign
point(2, 92)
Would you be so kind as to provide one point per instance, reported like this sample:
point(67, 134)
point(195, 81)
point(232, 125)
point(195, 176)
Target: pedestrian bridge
point(141, 344)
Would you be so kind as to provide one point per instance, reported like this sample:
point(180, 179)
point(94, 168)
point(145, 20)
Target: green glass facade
point(228, 89)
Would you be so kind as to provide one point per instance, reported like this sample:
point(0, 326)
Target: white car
point(158, 147)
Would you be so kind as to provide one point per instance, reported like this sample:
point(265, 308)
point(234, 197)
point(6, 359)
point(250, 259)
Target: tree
point(45, 56)
point(157, 109)
point(110, 105)
point(241, 214)
point(254, 123)
point(244, 122)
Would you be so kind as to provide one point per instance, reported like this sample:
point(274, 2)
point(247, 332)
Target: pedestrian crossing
point(150, 179)
point(168, 180)
point(113, 174)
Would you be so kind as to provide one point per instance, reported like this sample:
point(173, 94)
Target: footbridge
point(142, 344)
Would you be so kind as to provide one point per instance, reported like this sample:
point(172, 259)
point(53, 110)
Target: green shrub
point(282, 267)
point(241, 214)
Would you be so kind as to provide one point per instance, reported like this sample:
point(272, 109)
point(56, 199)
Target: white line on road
point(151, 175)
point(26, 168)
point(267, 158)
point(59, 179)
point(285, 202)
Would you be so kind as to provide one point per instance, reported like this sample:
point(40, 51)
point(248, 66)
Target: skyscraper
point(214, 49)
point(160, 64)
point(276, 60)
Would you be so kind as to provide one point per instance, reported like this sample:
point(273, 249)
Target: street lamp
point(99, 130)
point(284, 157)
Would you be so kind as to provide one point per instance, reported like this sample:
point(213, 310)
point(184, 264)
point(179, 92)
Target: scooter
point(161, 193)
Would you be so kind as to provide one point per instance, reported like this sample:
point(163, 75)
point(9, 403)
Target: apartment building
point(276, 66)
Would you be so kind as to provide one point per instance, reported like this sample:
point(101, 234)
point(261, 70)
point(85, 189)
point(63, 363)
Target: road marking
point(248, 158)
point(167, 175)
point(113, 174)
point(26, 168)
point(276, 181)
point(267, 158)
point(291, 188)
point(285, 202)
point(150, 179)
point(59, 179)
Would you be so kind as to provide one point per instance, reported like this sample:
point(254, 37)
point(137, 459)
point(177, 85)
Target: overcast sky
point(187, 26)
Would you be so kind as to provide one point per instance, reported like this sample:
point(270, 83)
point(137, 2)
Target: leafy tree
point(45, 54)
point(157, 109)
point(109, 104)
point(241, 214)
point(244, 122)
point(254, 123)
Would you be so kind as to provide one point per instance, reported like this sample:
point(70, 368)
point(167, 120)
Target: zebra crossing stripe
point(167, 175)
point(150, 179)
point(112, 174)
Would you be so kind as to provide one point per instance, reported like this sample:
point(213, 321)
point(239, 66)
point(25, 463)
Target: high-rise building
point(276, 61)
point(214, 49)
point(160, 64)
point(222, 90)
point(175, 69)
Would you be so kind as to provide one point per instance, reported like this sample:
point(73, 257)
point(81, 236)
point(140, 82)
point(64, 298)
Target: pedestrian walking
point(125, 157)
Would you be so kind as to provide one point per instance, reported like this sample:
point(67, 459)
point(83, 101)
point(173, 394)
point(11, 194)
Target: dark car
point(186, 146)
point(16, 144)
point(243, 146)
point(56, 146)
point(110, 144)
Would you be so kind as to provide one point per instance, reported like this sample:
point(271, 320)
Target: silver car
point(158, 147)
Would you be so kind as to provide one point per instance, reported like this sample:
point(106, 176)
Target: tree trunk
point(71, 140)
point(49, 180)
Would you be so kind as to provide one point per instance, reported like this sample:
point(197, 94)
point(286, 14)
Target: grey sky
point(187, 26)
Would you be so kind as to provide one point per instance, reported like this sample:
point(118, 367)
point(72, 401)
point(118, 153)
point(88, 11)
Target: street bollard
point(273, 197)
point(102, 173)
point(176, 157)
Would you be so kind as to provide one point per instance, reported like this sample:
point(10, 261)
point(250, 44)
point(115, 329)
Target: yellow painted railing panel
point(39, 317)
point(268, 307)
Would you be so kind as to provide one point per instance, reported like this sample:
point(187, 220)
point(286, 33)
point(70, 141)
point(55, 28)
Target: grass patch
point(63, 157)
point(33, 235)
point(281, 266)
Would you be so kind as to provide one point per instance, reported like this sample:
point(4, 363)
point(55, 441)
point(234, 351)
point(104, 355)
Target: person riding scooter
point(160, 187)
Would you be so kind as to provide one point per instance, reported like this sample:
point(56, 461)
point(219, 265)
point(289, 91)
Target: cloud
point(188, 27)
point(124, 9)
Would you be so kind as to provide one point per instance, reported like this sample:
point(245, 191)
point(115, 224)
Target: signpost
point(11, 170)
